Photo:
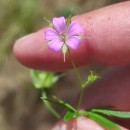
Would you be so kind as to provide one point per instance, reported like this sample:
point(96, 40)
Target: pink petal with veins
point(74, 29)
point(73, 42)
point(55, 45)
point(51, 34)
point(59, 24)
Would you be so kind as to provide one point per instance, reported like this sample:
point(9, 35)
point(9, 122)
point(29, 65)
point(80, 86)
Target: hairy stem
point(80, 81)
point(75, 69)
point(80, 99)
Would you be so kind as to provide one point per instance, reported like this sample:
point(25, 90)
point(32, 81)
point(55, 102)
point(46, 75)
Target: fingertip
point(19, 45)
point(32, 51)
point(109, 43)
point(28, 49)
point(80, 123)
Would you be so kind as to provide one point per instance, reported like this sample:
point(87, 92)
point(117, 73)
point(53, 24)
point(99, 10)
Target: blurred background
point(20, 105)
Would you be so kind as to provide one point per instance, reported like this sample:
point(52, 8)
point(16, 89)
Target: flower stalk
point(75, 69)
point(64, 35)
point(80, 81)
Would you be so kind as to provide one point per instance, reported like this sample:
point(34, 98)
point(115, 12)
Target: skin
point(108, 43)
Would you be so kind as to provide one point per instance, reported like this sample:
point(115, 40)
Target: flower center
point(63, 36)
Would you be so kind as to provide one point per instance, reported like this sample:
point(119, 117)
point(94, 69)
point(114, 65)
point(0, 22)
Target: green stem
point(80, 80)
point(49, 107)
point(80, 99)
point(75, 69)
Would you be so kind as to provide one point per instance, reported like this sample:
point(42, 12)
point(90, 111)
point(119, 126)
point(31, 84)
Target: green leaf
point(43, 79)
point(49, 106)
point(69, 115)
point(65, 104)
point(61, 103)
point(116, 113)
point(104, 122)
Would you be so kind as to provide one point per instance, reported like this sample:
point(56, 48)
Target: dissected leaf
point(61, 103)
point(116, 113)
point(49, 106)
point(106, 123)
point(69, 115)
point(43, 79)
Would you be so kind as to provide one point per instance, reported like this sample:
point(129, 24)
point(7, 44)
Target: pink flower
point(61, 34)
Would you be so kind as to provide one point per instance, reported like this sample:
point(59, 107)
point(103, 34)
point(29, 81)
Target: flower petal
point(73, 42)
point(51, 34)
point(74, 28)
point(59, 24)
point(55, 45)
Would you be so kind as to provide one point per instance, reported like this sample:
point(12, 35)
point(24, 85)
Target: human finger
point(109, 32)
point(80, 123)
point(113, 91)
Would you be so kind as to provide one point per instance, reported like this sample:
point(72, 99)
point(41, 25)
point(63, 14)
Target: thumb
point(80, 123)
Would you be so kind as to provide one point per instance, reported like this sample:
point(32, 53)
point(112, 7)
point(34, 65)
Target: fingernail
point(21, 44)
point(24, 38)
